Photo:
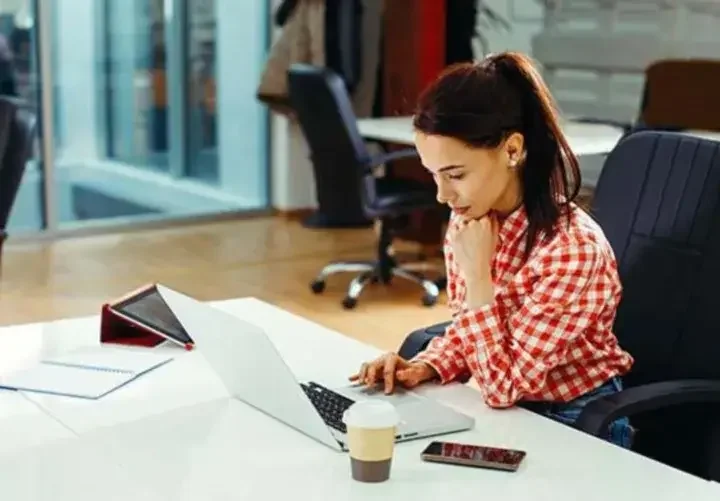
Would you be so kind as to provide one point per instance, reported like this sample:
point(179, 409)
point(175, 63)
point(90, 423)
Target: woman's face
point(473, 181)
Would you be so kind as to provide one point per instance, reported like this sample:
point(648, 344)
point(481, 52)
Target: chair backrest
point(658, 201)
point(338, 153)
point(17, 133)
point(682, 94)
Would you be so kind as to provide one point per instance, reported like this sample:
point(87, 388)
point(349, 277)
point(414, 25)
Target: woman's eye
point(456, 177)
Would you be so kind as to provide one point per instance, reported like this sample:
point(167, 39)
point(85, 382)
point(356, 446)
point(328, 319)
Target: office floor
point(271, 258)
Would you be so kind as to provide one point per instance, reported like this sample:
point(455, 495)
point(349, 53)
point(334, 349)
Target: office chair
point(681, 94)
point(658, 201)
point(344, 176)
point(17, 130)
point(677, 94)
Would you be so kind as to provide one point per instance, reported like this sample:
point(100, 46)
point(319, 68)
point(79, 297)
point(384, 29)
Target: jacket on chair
point(312, 35)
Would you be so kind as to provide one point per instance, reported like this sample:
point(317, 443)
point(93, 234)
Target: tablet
point(149, 308)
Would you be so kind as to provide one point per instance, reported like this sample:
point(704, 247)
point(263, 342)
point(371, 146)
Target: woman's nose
point(443, 194)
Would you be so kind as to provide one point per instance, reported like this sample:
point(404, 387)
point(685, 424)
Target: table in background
point(584, 138)
point(176, 434)
point(590, 142)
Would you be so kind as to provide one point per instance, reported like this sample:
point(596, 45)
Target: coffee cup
point(371, 426)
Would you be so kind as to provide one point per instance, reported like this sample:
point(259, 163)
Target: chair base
point(372, 272)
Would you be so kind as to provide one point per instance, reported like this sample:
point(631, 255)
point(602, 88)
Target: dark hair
point(482, 103)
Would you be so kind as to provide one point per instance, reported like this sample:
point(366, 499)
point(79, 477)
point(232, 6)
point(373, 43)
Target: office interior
point(165, 147)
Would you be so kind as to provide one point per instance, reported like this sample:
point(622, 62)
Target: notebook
point(88, 373)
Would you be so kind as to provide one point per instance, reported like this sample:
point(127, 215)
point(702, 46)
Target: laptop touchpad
point(399, 396)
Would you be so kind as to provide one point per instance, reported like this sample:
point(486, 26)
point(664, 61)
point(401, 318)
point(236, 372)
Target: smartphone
point(478, 456)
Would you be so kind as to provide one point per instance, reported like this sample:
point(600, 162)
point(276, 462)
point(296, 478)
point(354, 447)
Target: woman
point(532, 281)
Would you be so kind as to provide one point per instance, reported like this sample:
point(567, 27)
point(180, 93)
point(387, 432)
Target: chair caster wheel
point(349, 303)
point(318, 286)
point(429, 300)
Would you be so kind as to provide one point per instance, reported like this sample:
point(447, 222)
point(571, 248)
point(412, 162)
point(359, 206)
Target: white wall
point(242, 120)
point(526, 20)
point(595, 52)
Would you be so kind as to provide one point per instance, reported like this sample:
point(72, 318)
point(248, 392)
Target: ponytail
point(482, 104)
point(551, 176)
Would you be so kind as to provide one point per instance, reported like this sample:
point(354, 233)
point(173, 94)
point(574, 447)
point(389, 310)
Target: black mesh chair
point(658, 201)
point(345, 179)
point(17, 131)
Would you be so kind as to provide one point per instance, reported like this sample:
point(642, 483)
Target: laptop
point(253, 371)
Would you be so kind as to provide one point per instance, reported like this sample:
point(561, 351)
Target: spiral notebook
point(88, 373)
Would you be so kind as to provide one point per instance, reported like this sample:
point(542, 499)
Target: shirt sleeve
point(451, 270)
point(511, 357)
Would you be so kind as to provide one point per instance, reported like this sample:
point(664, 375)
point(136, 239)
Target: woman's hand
point(473, 246)
point(391, 368)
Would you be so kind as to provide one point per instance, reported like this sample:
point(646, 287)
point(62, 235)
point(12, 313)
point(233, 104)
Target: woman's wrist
point(480, 292)
point(428, 371)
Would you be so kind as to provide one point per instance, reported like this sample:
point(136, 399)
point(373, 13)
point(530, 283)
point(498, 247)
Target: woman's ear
point(514, 149)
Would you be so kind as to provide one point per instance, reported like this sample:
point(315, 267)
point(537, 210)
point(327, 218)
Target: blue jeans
point(620, 431)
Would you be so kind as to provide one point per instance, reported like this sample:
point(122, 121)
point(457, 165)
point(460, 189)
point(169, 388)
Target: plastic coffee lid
point(371, 414)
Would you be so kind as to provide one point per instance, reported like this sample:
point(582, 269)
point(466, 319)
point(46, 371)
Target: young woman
point(532, 282)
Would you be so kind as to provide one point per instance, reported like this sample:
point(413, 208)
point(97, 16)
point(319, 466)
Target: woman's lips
point(460, 210)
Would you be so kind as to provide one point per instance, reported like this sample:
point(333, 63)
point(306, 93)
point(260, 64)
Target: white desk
point(584, 138)
point(18, 413)
point(175, 434)
point(704, 134)
point(23, 424)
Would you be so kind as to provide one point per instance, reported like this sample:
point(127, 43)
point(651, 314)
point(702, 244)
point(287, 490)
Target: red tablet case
point(118, 330)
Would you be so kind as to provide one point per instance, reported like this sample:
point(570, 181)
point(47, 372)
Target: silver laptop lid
point(249, 364)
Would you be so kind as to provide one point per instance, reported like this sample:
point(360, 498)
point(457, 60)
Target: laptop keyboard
point(330, 405)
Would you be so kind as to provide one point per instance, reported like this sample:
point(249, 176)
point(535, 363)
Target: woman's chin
point(471, 215)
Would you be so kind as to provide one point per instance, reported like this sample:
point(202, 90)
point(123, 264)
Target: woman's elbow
point(499, 401)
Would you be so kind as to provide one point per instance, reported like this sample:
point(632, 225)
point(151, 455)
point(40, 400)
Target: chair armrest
point(388, 158)
point(418, 340)
point(597, 415)
point(391, 157)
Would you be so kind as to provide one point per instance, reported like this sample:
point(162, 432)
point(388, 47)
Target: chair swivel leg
point(432, 291)
point(318, 285)
point(356, 287)
point(383, 269)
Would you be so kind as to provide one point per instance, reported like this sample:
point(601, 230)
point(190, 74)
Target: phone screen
point(474, 455)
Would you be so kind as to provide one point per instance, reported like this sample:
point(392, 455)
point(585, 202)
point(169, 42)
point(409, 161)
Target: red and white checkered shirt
point(548, 335)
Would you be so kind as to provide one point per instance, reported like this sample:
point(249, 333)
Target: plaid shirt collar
point(513, 226)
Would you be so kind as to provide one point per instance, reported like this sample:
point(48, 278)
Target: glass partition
point(152, 111)
point(19, 78)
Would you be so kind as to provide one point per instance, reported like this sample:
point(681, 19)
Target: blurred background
point(131, 130)
point(173, 141)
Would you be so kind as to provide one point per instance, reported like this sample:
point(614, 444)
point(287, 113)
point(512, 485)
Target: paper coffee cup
point(371, 427)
